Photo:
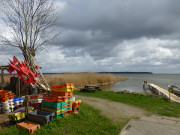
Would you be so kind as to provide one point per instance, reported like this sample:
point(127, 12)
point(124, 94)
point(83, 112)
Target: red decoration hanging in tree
point(22, 70)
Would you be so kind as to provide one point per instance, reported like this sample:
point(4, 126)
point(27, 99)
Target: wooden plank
point(165, 92)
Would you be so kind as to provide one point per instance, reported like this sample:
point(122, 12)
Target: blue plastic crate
point(17, 98)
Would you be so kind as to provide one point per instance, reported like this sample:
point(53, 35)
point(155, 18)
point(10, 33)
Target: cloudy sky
point(112, 35)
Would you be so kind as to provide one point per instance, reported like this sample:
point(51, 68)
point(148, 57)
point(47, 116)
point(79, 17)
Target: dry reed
point(82, 79)
point(79, 79)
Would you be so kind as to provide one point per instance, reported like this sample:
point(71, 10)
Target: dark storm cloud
point(124, 19)
point(99, 25)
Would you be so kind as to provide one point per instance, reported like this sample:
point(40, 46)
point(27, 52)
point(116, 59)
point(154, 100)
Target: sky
point(111, 36)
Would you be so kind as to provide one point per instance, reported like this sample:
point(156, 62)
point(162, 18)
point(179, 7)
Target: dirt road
point(114, 110)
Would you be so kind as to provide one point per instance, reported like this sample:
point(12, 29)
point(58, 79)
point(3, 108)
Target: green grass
point(87, 122)
point(156, 105)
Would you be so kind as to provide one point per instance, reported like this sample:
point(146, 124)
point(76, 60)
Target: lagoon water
point(135, 82)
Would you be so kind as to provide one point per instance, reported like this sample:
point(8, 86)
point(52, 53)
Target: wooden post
point(26, 103)
point(2, 78)
point(19, 87)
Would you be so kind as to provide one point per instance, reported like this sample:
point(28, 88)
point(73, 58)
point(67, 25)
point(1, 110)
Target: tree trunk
point(29, 57)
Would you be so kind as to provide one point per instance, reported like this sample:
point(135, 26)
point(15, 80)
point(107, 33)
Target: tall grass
point(7, 77)
point(81, 79)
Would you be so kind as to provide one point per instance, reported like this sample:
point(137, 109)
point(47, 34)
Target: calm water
point(135, 82)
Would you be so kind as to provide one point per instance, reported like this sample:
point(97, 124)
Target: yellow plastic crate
point(68, 87)
point(63, 89)
point(18, 116)
point(68, 101)
point(77, 101)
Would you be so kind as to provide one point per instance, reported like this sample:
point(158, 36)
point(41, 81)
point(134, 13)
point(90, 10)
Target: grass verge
point(87, 122)
point(156, 105)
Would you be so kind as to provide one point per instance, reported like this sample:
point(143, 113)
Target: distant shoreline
point(94, 72)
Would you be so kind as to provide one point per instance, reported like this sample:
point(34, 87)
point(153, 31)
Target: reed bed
point(7, 78)
point(79, 79)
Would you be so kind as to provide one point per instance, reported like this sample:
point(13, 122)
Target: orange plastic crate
point(4, 93)
point(29, 126)
point(67, 94)
point(63, 85)
point(68, 112)
point(70, 105)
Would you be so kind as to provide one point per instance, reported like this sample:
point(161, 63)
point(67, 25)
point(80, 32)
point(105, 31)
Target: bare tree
point(32, 24)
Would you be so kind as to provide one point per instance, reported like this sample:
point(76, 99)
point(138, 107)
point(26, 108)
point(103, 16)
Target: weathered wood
point(2, 78)
point(2, 68)
point(91, 88)
point(164, 92)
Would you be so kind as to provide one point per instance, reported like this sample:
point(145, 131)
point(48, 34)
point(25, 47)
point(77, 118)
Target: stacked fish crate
point(6, 101)
point(65, 90)
point(76, 106)
point(54, 107)
point(59, 101)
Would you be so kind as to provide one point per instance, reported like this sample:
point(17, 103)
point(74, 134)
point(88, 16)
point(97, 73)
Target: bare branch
point(32, 24)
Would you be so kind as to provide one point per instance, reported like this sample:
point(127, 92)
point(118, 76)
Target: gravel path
point(116, 111)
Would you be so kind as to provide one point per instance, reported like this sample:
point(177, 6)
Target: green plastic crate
point(68, 108)
point(53, 104)
point(69, 103)
point(53, 109)
point(59, 115)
